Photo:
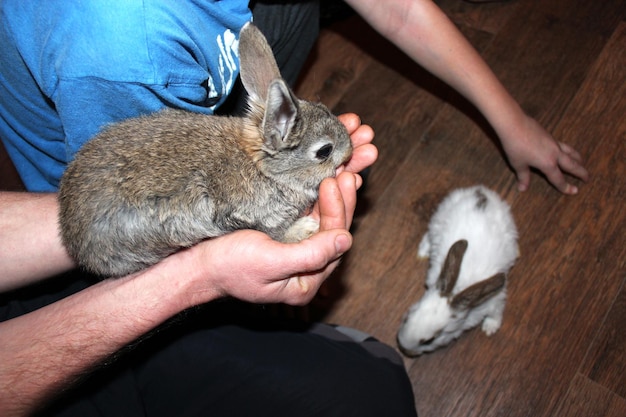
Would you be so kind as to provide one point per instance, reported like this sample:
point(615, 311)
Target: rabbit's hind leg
point(303, 228)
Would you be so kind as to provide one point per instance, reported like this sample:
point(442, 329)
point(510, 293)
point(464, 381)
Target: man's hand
point(364, 153)
point(249, 265)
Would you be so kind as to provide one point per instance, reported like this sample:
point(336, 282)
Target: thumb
point(317, 252)
point(312, 261)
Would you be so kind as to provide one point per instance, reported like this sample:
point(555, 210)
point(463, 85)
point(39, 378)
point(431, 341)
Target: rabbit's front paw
point(491, 325)
point(303, 228)
point(424, 248)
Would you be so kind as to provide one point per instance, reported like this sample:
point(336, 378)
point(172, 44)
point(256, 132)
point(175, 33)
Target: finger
point(359, 133)
point(362, 157)
point(557, 179)
point(320, 250)
point(350, 120)
point(311, 255)
point(571, 152)
point(310, 263)
point(523, 179)
point(316, 254)
point(331, 205)
point(364, 134)
point(573, 166)
point(348, 184)
point(302, 289)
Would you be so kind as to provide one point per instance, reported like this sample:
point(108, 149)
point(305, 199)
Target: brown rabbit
point(146, 187)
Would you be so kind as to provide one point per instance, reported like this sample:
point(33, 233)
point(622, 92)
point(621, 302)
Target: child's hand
point(530, 145)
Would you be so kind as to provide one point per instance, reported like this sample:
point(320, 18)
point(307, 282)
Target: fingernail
point(358, 180)
point(342, 243)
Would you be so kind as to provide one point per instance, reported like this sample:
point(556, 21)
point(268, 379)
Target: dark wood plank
point(606, 362)
point(543, 53)
point(606, 100)
point(586, 398)
point(325, 80)
point(487, 17)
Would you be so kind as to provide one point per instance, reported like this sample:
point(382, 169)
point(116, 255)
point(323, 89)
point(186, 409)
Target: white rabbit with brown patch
point(471, 244)
point(147, 187)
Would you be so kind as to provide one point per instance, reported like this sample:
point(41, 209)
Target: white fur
point(492, 248)
point(302, 228)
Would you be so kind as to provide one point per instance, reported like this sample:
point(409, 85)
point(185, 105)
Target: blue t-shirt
point(68, 68)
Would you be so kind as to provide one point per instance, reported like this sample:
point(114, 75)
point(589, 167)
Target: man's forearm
point(30, 242)
point(45, 351)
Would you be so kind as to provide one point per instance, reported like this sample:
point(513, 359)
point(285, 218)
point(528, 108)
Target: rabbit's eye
point(324, 152)
point(427, 341)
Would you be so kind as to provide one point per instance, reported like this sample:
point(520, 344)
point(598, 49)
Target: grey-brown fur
point(147, 187)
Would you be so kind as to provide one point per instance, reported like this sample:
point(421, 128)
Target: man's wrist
point(181, 281)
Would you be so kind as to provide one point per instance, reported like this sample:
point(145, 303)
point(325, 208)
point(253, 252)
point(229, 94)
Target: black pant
point(228, 358)
point(220, 361)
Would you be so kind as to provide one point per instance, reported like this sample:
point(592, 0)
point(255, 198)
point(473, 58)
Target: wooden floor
point(562, 348)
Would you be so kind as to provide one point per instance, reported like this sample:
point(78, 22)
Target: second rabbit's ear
point(476, 294)
point(281, 111)
point(451, 268)
point(258, 65)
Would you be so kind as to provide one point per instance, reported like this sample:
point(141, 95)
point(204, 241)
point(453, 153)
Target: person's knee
point(384, 392)
point(361, 384)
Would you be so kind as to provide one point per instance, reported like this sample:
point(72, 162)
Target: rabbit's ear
point(451, 267)
point(258, 65)
point(266, 89)
point(478, 293)
point(281, 110)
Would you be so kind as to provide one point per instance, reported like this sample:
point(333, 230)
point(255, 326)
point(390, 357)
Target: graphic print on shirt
point(228, 64)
